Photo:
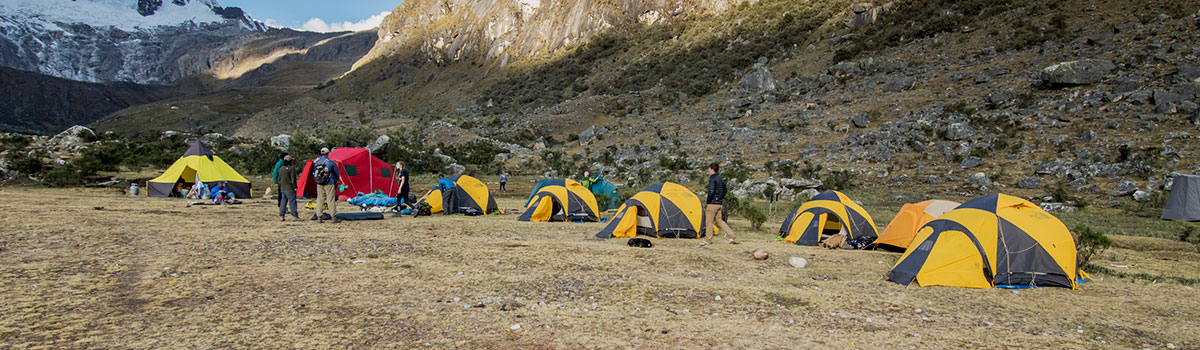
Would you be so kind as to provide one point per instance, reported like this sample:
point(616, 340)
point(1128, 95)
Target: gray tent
point(1184, 203)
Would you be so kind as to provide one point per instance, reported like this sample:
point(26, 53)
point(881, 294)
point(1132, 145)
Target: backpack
point(321, 172)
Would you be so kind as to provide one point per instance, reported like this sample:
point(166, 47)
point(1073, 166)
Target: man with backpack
point(325, 174)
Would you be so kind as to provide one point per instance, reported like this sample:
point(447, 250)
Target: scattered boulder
point(1142, 196)
point(73, 136)
point(1081, 72)
point(379, 143)
point(798, 262)
point(971, 162)
point(1125, 188)
point(281, 142)
point(959, 132)
point(591, 134)
point(1030, 182)
point(979, 180)
point(1056, 207)
point(807, 194)
point(759, 254)
point(899, 84)
point(800, 183)
point(861, 120)
point(758, 81)
point(862, 14)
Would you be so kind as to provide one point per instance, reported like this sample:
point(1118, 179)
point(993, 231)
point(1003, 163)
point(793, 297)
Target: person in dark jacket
point(327, 190)
point(713, 210)
point(402, 194)
point(287, 175)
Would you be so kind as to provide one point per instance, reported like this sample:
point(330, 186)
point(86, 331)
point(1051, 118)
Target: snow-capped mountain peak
point(127, 15)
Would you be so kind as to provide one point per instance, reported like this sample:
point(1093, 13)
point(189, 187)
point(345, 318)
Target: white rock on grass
point(798, 262)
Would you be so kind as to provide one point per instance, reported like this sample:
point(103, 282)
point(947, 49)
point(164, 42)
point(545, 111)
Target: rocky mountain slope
point(965, 96)
point(179, 49)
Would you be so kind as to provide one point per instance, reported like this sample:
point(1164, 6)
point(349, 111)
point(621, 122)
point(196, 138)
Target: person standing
point(325, 174)
point(286, 177)
point(714, 210)
point(446, 185)
point(275, 175)
point(503, 181)
point(402, 195)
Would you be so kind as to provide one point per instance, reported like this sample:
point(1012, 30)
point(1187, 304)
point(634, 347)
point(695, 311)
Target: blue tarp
point(376, 198)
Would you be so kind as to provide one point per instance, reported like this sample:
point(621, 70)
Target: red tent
point(360, 172)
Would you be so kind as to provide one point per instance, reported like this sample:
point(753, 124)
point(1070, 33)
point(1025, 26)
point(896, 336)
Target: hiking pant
point(502, 186)
point(327, 194)
point(287, 201)
point(712, 219)
point(448, 201)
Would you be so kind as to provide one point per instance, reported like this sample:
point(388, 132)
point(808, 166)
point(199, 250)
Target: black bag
point(640, 243)
point(424, 209)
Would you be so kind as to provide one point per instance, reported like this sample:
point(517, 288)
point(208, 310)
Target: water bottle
point(133, 189)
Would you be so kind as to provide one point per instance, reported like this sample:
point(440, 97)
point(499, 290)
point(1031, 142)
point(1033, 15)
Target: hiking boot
point(282, 218)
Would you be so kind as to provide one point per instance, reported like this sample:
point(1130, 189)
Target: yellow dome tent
point(911, 217)
point(561, 200)
point(829, 212)
point(991, 241)
point(199, 164)
point(663, 210)
point(470, 194)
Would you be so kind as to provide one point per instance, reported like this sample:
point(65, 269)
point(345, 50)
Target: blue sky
point(317, 15)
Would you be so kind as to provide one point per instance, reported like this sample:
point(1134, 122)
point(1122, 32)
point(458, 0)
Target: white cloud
point(319, 25)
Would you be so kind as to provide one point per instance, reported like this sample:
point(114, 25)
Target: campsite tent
point(605, 193)
point(663, 210)
point(470, 196)
point(561, 200)
point(911, 217)
point(199, 163)
point(1184, 202)
point(359, 171)
point(829, 212)
point(994, 240)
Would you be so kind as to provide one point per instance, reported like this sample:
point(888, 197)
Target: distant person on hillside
point(503, 181)
point(286, 177)
point(402, 195)
point(325, 174)
point(446, 185)
point(713, 211)
point(221, 194)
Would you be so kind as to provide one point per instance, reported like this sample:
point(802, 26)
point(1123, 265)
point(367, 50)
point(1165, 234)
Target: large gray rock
point(959, 132)
point(1125, 188)
point(979, 180)
point(971, 162)
point(1081, 72)
point(591, 133)
point(73, 136)
point(899, 84)
point(1142, 196)
point(861, 120)
point(807, 194)
point(758, 81)
point(1030, 182)
point(379, 143)
point(281, 142)
point(800, 183)
point(862, 14)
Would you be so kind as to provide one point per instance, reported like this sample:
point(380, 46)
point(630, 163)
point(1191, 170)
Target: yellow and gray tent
point(663, 210)
point(829, 212)
point(470, 194)
point(991, 241)
point(199, 164)
point(561, 200)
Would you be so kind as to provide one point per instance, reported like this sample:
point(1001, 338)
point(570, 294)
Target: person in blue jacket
point(221, 194)
point(446, 185)
point(325, 174)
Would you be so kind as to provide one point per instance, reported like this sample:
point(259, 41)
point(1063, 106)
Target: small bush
point(756, 217)
point(64, 176)
point(1186, 234)
point(1089, 243)
point(22, 163)
point(840, 180)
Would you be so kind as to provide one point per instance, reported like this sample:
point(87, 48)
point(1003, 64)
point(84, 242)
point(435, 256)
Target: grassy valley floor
point(94, 269)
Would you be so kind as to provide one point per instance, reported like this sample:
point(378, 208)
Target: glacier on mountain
point(140, 41)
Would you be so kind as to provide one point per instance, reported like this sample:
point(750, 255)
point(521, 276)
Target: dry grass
point(154, 273)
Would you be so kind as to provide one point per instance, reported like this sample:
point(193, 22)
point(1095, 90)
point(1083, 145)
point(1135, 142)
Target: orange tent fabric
point(900, 232)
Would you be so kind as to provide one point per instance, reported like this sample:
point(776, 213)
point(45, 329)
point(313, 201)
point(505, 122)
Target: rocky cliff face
point(502, 31)
point(139, 41)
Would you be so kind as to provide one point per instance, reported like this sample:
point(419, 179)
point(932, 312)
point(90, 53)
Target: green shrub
point(1089, 243)
point(14, 142)
point(26, 164)
point(1186, 234)
point(756, 217)
point(64, 176)
point(840, 180)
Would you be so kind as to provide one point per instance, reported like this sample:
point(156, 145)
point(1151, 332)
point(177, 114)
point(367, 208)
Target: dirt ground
point(94, 269)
